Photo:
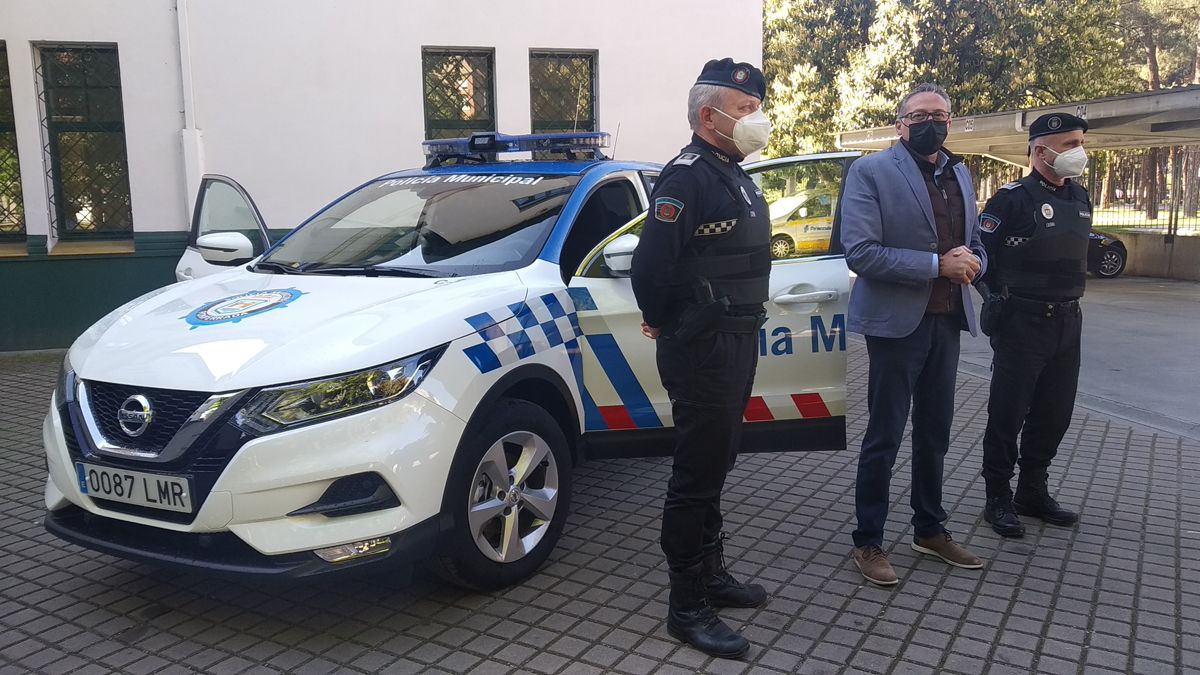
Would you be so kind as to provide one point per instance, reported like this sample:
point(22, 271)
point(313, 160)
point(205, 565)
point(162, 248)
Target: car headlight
point(64, 386)
point(292, 405)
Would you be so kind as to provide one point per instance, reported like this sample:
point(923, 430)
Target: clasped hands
point(959, 265)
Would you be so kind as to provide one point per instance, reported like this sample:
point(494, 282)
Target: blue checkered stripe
point(540, 323)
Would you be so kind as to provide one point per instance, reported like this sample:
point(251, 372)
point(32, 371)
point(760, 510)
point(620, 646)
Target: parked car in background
point(1106, 255)
point(801, 224)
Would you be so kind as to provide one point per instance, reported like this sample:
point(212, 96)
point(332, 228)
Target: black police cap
point(741, 76)
point(1055, 123)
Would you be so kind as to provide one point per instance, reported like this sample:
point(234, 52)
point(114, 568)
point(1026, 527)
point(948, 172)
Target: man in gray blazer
point(911, 233)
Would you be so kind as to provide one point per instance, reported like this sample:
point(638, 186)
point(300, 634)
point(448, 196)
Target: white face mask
point(750, 133)
point(1069, 164)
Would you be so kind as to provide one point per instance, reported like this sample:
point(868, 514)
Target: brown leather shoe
point(947, 549)
point(874, 565)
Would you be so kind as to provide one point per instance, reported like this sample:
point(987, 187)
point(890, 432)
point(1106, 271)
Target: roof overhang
point(1149, 119)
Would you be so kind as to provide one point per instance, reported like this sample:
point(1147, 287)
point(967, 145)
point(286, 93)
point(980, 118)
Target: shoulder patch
point(1010, 186)
point(686, 159)
point(667, 209)
point(988, 222)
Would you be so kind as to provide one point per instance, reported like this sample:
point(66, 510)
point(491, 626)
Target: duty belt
point(745, 323)
point(1045, 308)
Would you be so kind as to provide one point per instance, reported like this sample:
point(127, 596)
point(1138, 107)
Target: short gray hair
point(923, 88)
point(701, 95)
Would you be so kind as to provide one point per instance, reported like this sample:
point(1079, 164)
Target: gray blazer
point(891, 243)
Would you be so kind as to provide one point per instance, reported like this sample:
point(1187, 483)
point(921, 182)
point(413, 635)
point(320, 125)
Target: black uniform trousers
point(709, 380)
point(918, 370)
point(1035, 370)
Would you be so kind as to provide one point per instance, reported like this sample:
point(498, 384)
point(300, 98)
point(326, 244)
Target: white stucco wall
point(300, 100)
point(145, 35)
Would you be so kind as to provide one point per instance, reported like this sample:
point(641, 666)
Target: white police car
point(414, 372)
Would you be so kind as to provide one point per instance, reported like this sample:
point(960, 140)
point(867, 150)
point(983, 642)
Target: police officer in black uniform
point(1036, 235)
point(700, 274)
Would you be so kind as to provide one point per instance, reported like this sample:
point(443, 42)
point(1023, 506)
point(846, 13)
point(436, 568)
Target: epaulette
point(1011, 186)
point(686, 159)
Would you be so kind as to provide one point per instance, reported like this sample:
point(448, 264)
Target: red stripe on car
point(810, 405)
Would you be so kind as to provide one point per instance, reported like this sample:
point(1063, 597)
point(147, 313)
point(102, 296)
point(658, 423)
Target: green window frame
point(459, 91)
point(12, 205)
point(562, 90)
point(83, 125)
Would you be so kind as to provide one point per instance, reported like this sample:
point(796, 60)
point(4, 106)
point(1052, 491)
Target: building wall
point(333, 98)
point(300, 100)
point(145, 34)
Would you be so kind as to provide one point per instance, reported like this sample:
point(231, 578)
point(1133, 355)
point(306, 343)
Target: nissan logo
point(135, 415)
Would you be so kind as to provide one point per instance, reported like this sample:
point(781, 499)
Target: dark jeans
point(1035, 370)
point(709, 380)
point(916, 371)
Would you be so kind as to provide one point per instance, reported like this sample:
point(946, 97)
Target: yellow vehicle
point(801, 224)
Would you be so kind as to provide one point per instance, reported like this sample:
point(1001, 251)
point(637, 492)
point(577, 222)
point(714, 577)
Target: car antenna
point(616, 138)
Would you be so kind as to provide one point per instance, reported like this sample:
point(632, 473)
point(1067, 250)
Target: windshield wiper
point(276, 267)
point(378, 271)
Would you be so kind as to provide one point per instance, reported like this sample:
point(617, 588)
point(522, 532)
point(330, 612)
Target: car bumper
point(242, 524)
point(223, 552)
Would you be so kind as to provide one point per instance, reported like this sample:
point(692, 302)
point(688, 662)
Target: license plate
point(135, 487)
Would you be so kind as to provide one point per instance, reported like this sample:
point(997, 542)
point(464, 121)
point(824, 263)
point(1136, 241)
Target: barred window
point(460, 91)
point(12, 209)
point(562, 91)
point(84, 131)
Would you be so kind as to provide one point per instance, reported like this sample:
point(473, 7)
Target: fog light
point(358, 549)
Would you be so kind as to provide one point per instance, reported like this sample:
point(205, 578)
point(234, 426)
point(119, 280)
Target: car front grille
point(171, 408)
point(202, 463)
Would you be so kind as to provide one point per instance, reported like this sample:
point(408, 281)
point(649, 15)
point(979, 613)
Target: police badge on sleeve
point(667, 209)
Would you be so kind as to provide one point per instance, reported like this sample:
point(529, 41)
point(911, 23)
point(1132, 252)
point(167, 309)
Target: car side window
point(803, 200)
point(649, 178)
point(609, 207)
point(224, 208)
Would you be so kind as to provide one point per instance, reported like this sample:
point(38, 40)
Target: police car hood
point(237, 330)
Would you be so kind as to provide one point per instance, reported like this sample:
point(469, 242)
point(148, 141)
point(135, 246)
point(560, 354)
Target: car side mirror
point(225, 248)
point(618, 255)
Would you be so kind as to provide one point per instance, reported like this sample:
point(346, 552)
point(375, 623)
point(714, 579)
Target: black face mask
point(926, 138)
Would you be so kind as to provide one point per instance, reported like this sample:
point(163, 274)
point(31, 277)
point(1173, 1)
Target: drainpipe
point(191, 138)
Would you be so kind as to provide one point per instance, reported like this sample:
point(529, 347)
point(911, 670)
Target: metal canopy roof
point(1154, 118)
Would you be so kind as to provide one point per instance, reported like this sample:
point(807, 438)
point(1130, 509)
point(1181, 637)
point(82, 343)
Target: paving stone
point(1060, 601)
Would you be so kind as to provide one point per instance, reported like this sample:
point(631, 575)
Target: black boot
point(692, 620)
point(999, 512)
point(721, 589)
point(1033, 499)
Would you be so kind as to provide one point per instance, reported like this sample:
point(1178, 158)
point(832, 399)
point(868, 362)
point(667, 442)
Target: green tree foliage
point(840, 64)
point(807, 43)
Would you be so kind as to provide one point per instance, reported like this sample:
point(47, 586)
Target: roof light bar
point(492, 142)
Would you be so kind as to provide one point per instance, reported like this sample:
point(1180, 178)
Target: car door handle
point(803, 298)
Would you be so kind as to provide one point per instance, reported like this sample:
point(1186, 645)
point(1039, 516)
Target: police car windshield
point(447, 224)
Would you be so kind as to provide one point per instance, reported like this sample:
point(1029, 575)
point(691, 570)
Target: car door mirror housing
point(618, 254)
point(225, 248)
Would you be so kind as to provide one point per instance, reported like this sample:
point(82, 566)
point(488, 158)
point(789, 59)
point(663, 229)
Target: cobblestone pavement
point(1118, 594)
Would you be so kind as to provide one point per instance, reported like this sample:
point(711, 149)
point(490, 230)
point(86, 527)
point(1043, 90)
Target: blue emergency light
point(486, 143)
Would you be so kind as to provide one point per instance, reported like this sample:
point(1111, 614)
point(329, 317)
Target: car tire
point(500, 536)
point(782, 246)
point(1111, 263)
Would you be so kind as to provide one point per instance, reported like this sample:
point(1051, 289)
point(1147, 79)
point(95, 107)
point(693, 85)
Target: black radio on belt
point(700, 316)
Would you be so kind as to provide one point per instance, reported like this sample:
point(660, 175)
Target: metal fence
point(84, 133)
point(1142, 189)
point(459, 90)
point(12, 208)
